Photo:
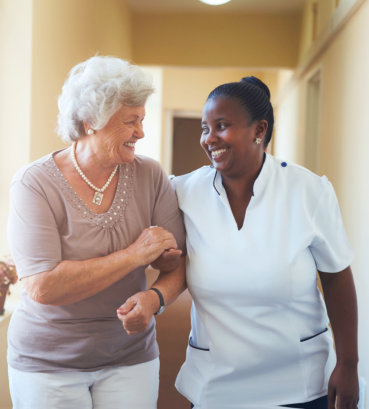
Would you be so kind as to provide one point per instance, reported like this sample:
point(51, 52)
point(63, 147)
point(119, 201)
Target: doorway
point(187, 154)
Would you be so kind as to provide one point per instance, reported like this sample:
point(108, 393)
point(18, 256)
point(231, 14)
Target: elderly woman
point(84, 223)
point(258, 229)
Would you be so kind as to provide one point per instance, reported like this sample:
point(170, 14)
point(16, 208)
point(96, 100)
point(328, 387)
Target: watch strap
point(161, 298)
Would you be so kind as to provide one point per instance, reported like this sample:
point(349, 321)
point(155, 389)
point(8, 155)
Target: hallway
point(316, 51)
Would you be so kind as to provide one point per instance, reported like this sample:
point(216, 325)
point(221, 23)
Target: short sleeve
point(166, 211)
point(32, 231)
point(330, 247)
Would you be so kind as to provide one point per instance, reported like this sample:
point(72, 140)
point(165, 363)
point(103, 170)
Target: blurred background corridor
point(313, 54)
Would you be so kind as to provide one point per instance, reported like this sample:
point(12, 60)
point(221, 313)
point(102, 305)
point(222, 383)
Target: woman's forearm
point(72, 281)
point(136, 313)
point(173, 283)
point(340, 298)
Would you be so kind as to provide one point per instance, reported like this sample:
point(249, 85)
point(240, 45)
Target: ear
point(86, 127)
point(261, 128)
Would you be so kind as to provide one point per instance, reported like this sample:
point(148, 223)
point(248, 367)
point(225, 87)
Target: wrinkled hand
point(151, 243)
point(167, 261)
point(343, 388)
point(138, 310)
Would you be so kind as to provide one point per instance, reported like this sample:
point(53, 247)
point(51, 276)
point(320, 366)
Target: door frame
point(167, 147)
point(313, 107)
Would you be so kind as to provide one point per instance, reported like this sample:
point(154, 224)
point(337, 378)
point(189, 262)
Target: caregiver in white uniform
point(258, 229)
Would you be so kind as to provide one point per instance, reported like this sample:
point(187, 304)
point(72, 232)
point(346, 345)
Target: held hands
point(137, 311)
point(152, 243)
point(343, 387)
point(167, 261)
point(158, 247)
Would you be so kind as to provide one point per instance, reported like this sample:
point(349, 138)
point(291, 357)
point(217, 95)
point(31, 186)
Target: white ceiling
point(234, 6)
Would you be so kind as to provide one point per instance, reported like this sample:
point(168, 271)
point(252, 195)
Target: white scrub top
point(259, 325)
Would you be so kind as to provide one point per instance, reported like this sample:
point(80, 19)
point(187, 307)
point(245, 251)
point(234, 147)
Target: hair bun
point(258, 83)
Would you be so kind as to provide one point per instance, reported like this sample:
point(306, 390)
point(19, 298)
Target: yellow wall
point(216, 39)
point(188, 88)
point(325, 10)
point(66, 32)
point(306, 34)
point(313, 26)
point(15, 96)
point(344, 143)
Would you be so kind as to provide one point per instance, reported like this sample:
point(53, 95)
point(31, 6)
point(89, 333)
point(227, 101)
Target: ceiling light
point(215, 2)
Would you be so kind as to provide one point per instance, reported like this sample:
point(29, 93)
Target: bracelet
point(161, 298)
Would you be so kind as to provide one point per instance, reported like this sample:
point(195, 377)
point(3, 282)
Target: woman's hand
point(151, 243)
point(343, 387)
point(68, 282)
point(167, 261)
point(137, 311)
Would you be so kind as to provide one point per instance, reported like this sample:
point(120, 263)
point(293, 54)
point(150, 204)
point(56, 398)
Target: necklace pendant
point(98, 197)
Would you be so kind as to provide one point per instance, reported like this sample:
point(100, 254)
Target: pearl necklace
point(98, 196)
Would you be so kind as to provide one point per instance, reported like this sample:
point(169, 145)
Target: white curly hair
point(95, 89)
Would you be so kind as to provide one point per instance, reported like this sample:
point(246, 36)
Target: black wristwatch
point(161, 298)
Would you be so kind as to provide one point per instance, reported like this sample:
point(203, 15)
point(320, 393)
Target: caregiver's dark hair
point(254, 95)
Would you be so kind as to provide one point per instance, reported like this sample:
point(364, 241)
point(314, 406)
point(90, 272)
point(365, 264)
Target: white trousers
point(124, 387)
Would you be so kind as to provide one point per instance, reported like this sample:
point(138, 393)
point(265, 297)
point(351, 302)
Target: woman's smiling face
point(228, 136)
point(121, 133)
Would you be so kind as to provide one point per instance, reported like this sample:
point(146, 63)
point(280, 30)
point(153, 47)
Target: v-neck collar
point(259, 184)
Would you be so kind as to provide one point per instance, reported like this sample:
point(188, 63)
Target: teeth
point(217, 153)
point(130, 144)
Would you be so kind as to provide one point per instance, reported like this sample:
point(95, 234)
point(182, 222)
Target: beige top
point(48, 223)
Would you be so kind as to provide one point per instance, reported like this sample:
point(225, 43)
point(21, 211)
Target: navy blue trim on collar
point(215, 176)
point(216, 173)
